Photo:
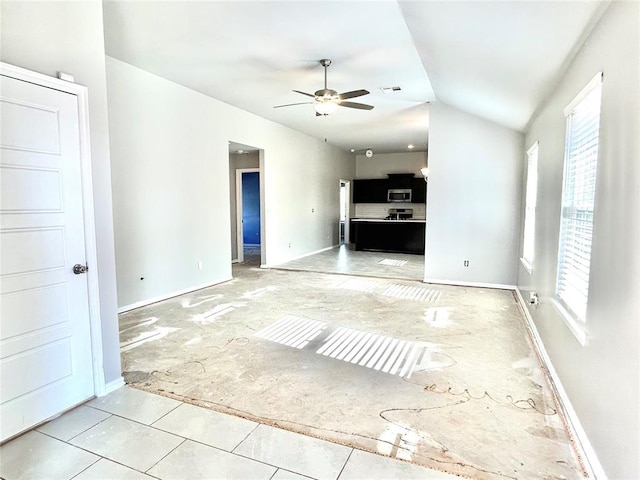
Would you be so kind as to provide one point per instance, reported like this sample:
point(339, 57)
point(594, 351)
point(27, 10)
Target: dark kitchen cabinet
point(400, 180)
point(370, 190)
point(389, 236)
point(418, 190)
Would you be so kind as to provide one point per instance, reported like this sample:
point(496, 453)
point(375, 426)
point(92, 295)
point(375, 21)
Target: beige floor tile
point(285, 475)
point(194, 461)
point(73, 423)
point(135, 405)
point(376, 467)
point(129, 443)
point(37, 456)
point(107, 470)
point(206, 426)
point(297, 453)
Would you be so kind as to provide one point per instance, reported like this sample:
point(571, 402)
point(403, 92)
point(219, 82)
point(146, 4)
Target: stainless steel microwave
point(399, 195)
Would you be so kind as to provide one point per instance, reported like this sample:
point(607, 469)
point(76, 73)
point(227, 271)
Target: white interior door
point(45, 340)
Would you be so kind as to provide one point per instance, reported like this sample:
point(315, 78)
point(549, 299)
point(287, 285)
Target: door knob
point(79, 269)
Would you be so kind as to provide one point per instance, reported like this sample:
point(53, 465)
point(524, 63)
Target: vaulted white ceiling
point(494, 59)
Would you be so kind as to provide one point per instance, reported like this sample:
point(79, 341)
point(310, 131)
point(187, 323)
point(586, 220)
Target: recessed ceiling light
point(390, 89)
point(240, 151)
point(410, 146)
point(353, 150)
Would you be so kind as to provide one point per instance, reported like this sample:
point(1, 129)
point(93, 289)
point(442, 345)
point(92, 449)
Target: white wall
point(473, 199)
point(603, 378)
point(48, 37)
point(381, 164)
point(170, 167)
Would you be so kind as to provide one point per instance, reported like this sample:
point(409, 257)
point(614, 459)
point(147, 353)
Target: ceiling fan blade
point(360, 106)
point(292, 104)
point(353, 94)
point(305, 93)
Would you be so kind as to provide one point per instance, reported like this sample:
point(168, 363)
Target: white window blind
point(530, 207)
point(578, 195)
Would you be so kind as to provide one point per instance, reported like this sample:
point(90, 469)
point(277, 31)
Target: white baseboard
point(149, 301)
point(112, 386)
point(299, 257)
point(585, 449)
point(457, 283)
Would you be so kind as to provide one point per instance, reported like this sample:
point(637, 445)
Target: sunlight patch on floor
point(393, 263)
point(370, 350)
point(292, 331)
point(378, 352)
point(407, 292)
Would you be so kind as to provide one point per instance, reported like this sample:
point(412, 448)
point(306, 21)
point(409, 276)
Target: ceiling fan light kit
point(326, 101)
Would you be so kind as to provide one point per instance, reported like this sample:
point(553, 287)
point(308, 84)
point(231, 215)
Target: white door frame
point(347, 223)
point(239, 226)
point(82, 93)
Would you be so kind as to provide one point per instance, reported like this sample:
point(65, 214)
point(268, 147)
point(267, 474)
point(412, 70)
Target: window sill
point(575, 326)
point(527, 266)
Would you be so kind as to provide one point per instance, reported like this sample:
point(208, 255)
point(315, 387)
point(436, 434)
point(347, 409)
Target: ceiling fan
point(326, 101)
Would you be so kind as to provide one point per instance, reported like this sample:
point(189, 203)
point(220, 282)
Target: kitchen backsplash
point(381, 210)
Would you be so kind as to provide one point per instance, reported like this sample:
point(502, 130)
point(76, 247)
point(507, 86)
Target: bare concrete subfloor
point(440, 376)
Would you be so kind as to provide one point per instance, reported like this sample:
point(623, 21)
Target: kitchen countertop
point(383, 220)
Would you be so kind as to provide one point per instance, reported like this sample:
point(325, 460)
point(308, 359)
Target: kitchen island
point(382, 235)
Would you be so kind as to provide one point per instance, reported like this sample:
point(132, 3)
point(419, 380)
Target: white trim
point(93, 289)
point(528, 267)
point(582, 443)
point(159, 298)
point(300, 256)
point(529, 214)
point(593, 83)
point(576, 327)
point(347, 219)
point(113, 385)
point(460, 283)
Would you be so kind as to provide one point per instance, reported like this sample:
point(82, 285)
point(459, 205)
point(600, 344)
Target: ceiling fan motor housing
point(326, 94)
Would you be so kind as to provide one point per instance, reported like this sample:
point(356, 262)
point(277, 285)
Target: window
point(530, 208)
point(578, 195)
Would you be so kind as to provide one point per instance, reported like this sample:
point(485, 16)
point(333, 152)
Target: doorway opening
point(248, 194)
point(345, 196)
point(247, 211)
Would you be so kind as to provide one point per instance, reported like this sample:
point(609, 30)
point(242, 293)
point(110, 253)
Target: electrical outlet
point(199, 265)
point(466, 263)
point(533, 298)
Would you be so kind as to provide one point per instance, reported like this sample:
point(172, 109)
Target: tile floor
point(346, 260)
point(130, 434)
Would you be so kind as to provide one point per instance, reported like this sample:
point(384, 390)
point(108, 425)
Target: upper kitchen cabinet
point(400, 180)
point(418, 190)
point(370, 190)
point(375, 190)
